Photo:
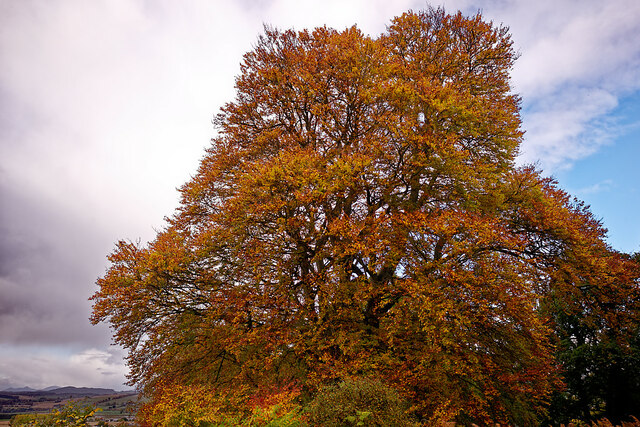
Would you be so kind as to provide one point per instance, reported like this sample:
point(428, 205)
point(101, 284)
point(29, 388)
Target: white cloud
point(587, 43)
point(599, 187)
point(371, 16)
point(567, 126)
point(578, 59)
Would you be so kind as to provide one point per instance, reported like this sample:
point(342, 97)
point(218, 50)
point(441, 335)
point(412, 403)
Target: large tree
point(359, 213)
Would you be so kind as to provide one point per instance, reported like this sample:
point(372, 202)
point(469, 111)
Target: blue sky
point(106, 108)
point(609, 180)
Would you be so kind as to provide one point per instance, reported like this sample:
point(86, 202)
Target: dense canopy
point(359, 214)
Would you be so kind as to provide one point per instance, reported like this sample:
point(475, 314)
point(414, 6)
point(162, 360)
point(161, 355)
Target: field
point(114, 406)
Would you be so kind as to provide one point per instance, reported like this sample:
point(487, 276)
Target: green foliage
point(360, 418)
point(276, 416)
point(602, 379)
point(359, 402)
point(600, 361)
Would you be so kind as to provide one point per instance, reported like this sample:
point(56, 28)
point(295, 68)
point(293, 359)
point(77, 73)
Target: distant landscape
point(114, 405)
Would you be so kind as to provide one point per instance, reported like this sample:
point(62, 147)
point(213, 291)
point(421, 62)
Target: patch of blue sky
point(609, 179)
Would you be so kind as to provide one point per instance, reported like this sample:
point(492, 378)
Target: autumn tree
point(359, 214)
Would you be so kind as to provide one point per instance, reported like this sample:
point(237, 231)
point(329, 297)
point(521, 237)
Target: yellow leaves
point(176, 404)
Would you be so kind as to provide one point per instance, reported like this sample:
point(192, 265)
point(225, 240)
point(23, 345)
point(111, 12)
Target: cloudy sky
point(106, 107)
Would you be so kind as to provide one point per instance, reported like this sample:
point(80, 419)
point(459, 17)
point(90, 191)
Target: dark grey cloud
point(49, 260)
point(47, 266)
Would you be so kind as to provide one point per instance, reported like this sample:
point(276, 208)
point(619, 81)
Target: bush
point(29, 419)
point(359, 402)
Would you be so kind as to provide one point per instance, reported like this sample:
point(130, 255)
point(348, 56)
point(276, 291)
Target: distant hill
point(80, 391)
point(18, 389)
point(64, 392)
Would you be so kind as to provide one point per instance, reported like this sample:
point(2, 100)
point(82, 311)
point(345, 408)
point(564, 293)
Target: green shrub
point(359, 402)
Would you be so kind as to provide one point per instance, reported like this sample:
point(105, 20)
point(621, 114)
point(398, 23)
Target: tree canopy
point(360, 214)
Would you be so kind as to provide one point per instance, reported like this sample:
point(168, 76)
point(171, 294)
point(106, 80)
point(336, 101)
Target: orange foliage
point(360, 213)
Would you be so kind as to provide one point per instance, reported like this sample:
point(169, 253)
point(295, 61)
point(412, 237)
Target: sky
point(106, 108)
